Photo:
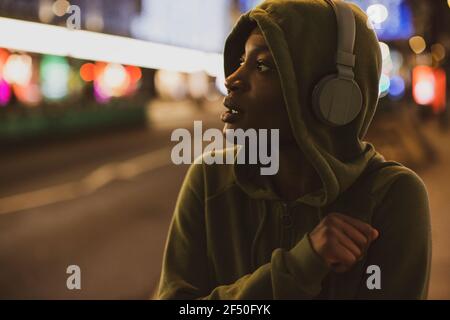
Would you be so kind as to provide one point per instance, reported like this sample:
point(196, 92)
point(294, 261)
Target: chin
point(233, 126)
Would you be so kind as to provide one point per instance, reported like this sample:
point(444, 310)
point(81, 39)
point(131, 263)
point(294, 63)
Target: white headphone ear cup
point(337, 102)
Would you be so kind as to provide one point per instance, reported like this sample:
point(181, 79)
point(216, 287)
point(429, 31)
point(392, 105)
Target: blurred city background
point(90, 92)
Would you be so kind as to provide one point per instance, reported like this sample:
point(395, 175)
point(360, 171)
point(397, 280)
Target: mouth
point(234, 112)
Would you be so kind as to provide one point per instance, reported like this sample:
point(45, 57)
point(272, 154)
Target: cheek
point(269, 96)
point(268, 109)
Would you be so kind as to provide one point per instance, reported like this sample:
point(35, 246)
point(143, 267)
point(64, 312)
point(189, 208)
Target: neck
point(296, 176)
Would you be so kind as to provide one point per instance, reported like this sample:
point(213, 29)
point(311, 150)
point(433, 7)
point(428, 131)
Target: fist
point(342, 240)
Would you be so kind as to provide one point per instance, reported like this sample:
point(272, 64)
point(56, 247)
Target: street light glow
point(54, 40)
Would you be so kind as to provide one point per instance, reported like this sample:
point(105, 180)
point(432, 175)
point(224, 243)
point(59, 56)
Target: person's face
point(254, 91)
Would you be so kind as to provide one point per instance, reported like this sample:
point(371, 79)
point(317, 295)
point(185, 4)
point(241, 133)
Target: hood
point(302, 37)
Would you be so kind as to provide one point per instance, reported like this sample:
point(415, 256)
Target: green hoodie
point(231, 237)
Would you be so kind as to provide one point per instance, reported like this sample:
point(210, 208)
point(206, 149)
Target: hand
point(341, 240)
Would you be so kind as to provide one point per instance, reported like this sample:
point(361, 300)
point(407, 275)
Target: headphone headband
point(346, 33)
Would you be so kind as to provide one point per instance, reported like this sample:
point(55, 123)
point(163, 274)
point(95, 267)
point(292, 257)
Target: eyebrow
point(257, 49)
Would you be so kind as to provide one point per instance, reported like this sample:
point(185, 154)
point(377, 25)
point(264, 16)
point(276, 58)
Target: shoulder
point(401, 197)
point(385, 189)
point(397, 180)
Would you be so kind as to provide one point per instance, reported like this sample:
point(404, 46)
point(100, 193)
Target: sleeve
point(293, 274)
point(403, 250)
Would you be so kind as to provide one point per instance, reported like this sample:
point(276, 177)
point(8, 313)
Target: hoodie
point(231, 237)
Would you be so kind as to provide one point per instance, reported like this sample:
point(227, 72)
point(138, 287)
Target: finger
point(359, 238)
point(343, 256)
point(365, 228)
point(348, 243)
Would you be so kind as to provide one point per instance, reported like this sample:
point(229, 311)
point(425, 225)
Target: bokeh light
point(438, 51)
point(134, 72)
point(60, 7)
point(17, 69)
point(87, 72)
point(377, 13)
point(423, 85)
point(5, 92)
point(45, 12)
point(397, 87)
point(384, 85)
point(54, 77)
point(417, 44)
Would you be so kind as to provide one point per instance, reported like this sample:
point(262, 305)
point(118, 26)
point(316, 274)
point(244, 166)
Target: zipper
point(286, 222)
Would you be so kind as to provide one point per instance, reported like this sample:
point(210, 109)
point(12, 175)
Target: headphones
point(337, 98)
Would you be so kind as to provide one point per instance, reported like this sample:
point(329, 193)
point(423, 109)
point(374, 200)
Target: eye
point(262, 66)
point(241, 61)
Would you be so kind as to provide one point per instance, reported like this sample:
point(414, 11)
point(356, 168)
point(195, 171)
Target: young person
point(337, 221)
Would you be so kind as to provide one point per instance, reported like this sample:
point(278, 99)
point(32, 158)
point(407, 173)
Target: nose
point(234, 82)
